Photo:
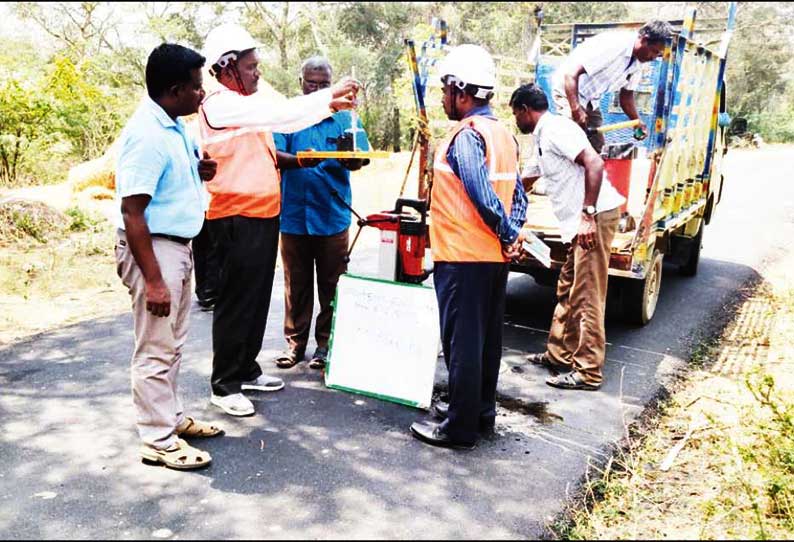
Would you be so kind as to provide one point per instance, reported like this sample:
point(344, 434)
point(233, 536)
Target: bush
point(22, 220)
point(81, 220)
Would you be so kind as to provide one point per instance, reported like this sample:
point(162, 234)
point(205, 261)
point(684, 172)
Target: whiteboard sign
point(384, 340)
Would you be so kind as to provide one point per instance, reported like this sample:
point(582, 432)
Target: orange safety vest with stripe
point(247, 182)
point(457, 231)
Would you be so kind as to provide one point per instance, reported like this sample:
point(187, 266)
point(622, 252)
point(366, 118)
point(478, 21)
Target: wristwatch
point(590, 210)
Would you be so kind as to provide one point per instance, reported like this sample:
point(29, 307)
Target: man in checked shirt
point(605, 63)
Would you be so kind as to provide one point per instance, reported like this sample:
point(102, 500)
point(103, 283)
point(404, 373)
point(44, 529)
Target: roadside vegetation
point(56, 267)
point(72, 72)
point(717, 461)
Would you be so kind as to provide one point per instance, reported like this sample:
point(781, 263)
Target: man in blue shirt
point(161, 206)
point(314, 220)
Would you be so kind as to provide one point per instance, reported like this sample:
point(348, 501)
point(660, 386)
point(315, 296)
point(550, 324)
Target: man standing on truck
point(605, 63)
point(588, 209)
point(478, 208)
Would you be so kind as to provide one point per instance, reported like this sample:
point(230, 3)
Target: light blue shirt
point(157, 157)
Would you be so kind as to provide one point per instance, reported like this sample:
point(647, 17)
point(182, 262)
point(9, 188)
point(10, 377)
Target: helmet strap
point(237, 77)
point(454, 99)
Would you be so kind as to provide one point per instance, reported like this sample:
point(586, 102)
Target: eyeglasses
point(316, 84)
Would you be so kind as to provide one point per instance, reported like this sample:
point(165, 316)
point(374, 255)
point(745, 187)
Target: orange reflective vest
point(457, 231)
point(247, 182)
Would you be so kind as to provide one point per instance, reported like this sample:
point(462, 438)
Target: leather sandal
point(180, 456)
point(571, 381)
point(289, 359)
point(542, 360)
point(190, 427)
point(318, 359)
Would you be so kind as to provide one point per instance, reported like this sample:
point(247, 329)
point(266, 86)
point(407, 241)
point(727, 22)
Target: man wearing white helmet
point(478, 206)
point(236, 126)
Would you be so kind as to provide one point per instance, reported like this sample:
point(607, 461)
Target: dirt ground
point(72, 279)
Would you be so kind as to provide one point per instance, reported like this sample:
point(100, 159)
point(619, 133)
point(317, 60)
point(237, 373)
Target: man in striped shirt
point(478, 207)
point(605, 63)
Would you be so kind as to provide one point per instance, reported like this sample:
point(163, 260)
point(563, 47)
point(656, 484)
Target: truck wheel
point(690, 266)
point(640, 296)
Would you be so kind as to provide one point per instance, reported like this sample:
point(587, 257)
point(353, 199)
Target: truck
point(672, 180)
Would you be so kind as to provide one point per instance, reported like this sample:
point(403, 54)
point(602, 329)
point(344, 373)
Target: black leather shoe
point(440, 410)
point(487, 427)
point(206, 304)
point(435, 435)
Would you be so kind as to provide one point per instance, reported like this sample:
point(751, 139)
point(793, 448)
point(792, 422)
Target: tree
point(25, 117)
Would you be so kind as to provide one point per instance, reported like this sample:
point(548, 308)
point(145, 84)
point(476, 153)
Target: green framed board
point(384, 341)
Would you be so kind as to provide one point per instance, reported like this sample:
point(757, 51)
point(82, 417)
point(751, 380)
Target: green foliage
point(68, 106)
point(26, 118)
point(774, 457)
point(80, 220)
point(28, 225)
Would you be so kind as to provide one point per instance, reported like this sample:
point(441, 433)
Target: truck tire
point(639, 297)
point(689, 267)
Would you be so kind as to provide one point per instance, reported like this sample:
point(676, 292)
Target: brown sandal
point(542, 360)
point(289, 359)
point(180, 456)
point(190, 427)
point(319, 358)
point(571, 381)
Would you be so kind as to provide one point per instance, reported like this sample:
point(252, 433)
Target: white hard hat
point(469, 65)
point(224, 42)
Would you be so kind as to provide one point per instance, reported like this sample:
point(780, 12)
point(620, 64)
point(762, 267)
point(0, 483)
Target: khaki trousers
point(577, 338)
point(594, 120)
point(158, 340)
point(300, 254)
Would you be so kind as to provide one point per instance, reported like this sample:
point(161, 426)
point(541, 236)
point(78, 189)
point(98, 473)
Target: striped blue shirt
point(466, 157)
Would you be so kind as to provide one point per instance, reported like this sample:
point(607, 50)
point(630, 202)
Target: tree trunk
point(283, 38)
point(395, 130)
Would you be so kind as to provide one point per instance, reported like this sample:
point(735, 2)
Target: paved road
point(317, 463)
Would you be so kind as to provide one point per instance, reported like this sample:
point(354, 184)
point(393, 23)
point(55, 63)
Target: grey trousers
point(158, 340)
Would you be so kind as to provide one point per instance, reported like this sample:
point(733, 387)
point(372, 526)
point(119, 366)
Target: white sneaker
point(235, 404)
point(264, 383)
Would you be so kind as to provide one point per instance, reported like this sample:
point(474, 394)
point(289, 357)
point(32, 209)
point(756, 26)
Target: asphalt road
point(318, 463)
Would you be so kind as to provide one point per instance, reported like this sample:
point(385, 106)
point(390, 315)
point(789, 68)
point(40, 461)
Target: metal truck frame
point(676, 180)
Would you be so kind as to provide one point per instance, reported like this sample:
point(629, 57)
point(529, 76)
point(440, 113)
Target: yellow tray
point(343, 154)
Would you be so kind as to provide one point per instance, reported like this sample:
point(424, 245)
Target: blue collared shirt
point(307, 204)
point(157, 157)
point(466, 157)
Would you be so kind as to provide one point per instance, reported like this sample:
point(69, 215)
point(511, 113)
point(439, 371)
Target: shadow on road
point(315, 462)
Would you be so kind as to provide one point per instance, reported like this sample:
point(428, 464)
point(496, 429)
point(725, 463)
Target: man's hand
point(586, 237)
point(512, 251)
point(347, 86)
point(309, 162)
point(158, 298)
point(207, 167)
point(579, 116)
point(640, 131)
point(340, 104)
point(352, 164)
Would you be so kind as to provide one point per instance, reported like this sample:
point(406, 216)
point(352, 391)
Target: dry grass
point(56, 268)
point(734, 476)
point(69, 275)
point(23, 222)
